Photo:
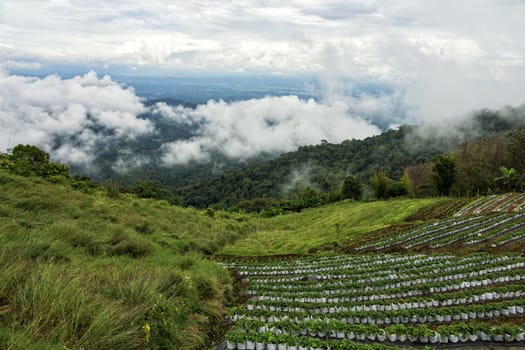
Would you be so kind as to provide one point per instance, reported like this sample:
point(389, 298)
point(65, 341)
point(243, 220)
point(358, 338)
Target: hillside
point(83, 270)
point(323, 167)
point(299, 232)
point(222, 181)
point(86, 267)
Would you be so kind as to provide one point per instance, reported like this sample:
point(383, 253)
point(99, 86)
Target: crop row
point(410, 295)
point(510, 237)
point(472, 230)
point(450, 235)
point(421, 232)
point(380, 299)
point(329, 262)
point(489, 228)
point(352, 304)
point(492, 274)
point(394, 270)
point(293, 334)
point(495, 203)
point(503, 231)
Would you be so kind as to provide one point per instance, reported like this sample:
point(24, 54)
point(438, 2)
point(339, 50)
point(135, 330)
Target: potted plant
point(360, 332)
point(393, 331)
point(444, 332)
point(271, 341)
point(498, 334)
point(381, 335)
point(462, 331)
point(231, 340)
point(282, 341)
point(509, 332)
point(260, 339)
point(250, 340)
point(315, 344)
point(484, 332)
point(292, 342)
point(304, 343)
point(424, 333)
point(412, 333)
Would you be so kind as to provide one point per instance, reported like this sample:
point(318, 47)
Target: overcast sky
point(444, 58)
point(363, 38)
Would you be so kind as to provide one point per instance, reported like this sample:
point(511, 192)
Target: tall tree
point(352, 188)
point(379, 182)
point(443, 174)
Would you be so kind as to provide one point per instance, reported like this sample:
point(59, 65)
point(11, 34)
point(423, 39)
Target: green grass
point(297, 233)
point(88, 271)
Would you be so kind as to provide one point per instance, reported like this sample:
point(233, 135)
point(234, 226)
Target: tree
point(30, 160)
point(352, 188)
point(443, 174)
point(379, 182)
point(147, 189)
point(509, 178)
point(31, 154)
point(396, 189)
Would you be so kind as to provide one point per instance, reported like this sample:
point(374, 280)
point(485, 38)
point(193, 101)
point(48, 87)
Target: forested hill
point(322, 167)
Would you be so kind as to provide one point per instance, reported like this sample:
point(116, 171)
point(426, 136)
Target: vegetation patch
point(344, 221)
point(74, 278)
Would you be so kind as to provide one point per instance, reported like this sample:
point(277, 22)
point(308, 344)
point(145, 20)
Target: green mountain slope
point(344, 221)
point(88, 271)
point(325, 166)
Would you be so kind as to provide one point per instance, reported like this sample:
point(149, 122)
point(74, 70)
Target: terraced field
point(489, 222)
point(370, 301)
point(376, 299)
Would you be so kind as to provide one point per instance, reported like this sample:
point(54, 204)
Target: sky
point(443, 58)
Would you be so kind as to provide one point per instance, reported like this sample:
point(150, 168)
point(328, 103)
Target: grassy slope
point(84, 270)
point(297, 233)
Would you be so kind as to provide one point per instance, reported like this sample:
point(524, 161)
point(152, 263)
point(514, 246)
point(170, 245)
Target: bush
point(145, 228)
point(123, 244)
point(162, 324)
point(352, 188)
point(205, 288)
point(112, 189)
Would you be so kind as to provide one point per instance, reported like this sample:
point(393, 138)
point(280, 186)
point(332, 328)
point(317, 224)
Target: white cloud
point(127, 163)
point(272, 124)
point(38, 111)
point(446, 57)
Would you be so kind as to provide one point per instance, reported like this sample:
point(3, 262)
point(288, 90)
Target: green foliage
point(89, 271)
point(322, 167)
point(509, 178)
point(147, 189)
point(352, 188)
point(385, 187)
point(162, 324)
point(27, 160)
point(396, 189)
point(112, 188)
point(380, 184)
point(298, 233)
point(443, 174)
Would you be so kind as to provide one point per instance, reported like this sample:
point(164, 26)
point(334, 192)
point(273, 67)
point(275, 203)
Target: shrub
point(145, 227)
point(205, 288)
point(123, 244)
point(352, 188)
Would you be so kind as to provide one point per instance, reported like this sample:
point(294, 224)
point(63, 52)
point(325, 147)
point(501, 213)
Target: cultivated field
point(404, 286)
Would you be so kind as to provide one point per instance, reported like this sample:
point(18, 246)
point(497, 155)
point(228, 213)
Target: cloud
point(440, 56)
point(128, 163)
point(272, 124)
point(70, 118)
